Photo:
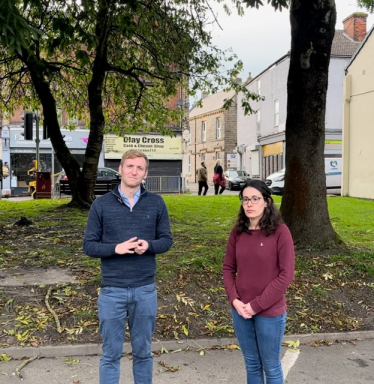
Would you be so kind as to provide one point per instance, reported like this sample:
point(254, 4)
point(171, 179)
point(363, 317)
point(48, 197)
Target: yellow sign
point(272, 149)
point(115, 146)
point(333, 141)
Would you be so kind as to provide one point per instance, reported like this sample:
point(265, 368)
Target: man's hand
point(142, 247)
point(240, 308)
point(127, 246)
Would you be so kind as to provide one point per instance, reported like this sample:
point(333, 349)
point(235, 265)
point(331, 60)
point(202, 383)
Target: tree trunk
point(95, 101)
point(66, 159)
point(304, 204)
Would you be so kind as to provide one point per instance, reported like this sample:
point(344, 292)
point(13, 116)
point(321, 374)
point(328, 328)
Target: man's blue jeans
point(260, 339)
point(140, 305)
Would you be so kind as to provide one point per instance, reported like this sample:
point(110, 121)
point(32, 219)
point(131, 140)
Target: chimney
point(238, 80)
point(355, 26)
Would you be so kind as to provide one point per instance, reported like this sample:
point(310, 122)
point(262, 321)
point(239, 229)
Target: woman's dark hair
point(271, 218)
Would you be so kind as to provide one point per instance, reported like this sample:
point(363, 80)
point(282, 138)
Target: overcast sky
point(261, 37)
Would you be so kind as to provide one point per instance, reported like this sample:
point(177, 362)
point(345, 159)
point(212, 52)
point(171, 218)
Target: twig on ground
point(59, 329)
point(201, 348)
point(19, 368)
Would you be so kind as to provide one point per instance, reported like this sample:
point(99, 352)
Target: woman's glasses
point(253, 200)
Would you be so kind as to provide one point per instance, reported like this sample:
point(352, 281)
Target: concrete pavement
point(350, 360)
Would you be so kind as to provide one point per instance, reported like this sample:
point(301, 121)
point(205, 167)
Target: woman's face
point(253, 203)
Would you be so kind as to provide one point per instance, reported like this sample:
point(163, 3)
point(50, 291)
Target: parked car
point(236, 179)
point(275, 182)
point(333, 171)
point(104, 177)
point(103, 173)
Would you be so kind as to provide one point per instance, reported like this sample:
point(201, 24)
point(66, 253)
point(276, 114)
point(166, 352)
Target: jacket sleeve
point(164, 239)
point(286, 261)
point(92, 245)
point(229, 268)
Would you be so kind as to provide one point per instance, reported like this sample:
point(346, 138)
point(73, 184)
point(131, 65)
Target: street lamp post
point(37, 140)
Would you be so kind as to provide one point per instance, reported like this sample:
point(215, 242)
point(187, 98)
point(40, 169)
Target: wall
point(358, 133)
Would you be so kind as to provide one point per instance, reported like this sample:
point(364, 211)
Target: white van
point(333, 170)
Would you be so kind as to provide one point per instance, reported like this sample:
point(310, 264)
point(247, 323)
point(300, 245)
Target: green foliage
point(367, 4)
point(147, 51)
point(276, 4)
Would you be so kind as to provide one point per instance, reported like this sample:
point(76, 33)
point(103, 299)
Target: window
point(218, 155)
point(259, 87)
point(202, 157)
point(218, 128)
point(276, 113)
point(203, 131)
point(258, 121)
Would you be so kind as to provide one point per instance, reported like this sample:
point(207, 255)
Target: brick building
point(212, 134)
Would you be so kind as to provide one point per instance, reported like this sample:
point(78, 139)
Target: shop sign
point(115, 146)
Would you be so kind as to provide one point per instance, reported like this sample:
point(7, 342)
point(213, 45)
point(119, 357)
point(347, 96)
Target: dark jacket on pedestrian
point(218, 169)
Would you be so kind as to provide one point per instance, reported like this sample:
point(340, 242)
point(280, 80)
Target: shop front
point(22, 155)
point(165, 156)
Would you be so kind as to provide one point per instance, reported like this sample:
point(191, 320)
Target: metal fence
point(164, 184)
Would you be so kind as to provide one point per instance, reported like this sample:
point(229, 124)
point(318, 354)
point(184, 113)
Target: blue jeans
point(140, 306)
point(260, 340)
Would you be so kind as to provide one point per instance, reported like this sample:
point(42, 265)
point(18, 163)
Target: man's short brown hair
point(134, 153)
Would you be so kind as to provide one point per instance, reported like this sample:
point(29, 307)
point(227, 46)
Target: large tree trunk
point(304, 204)
point(95, 100)
point(66, 159)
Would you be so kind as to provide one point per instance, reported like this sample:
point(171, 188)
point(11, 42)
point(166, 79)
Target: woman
point(219, 178)
point(258, 267)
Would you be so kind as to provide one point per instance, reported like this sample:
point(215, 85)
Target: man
point(126, 228)
point(202, 177)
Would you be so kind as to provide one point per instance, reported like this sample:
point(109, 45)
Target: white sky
point(262, 36)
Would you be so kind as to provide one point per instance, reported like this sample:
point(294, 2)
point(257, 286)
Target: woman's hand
point(248, 310)
point(240, 308)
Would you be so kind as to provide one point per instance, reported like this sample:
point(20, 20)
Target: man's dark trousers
point(203, 184)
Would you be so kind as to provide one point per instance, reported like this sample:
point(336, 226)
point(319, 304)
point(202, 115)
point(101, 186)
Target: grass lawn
point(333, 290)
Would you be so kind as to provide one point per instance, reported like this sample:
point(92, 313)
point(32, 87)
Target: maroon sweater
point(258, 269)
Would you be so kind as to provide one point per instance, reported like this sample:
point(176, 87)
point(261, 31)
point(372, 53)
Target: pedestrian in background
point(258, 267)
point(126, 228)
point(219, 179)
point(202, 179)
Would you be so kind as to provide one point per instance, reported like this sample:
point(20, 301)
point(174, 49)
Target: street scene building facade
point(166, 153)
point(358, 117)
point(212, 135)
point(261, 136)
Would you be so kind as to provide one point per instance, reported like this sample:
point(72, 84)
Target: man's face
point(133, 171)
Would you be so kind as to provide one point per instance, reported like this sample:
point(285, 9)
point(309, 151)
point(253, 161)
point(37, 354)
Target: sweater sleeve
point(92, 241)
point(164, 239)
point(229, 268)
point(286, 261)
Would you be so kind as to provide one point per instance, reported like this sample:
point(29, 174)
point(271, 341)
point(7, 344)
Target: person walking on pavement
point(126, 228)
point(202, 179)
point(219, 178)
point(258, 267)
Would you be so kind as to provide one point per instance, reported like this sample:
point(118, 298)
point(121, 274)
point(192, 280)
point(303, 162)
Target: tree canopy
point(113, 63)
